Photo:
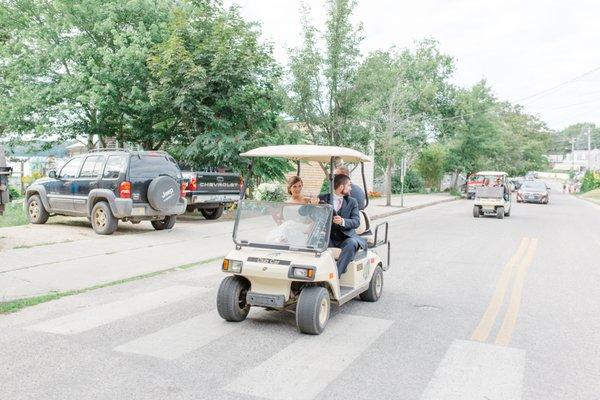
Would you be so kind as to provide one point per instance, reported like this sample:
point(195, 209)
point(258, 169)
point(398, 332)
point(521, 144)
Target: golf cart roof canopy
point(309, 152)
point(498, 173)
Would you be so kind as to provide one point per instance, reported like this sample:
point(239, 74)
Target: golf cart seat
point(335, 252)
point(364, 230)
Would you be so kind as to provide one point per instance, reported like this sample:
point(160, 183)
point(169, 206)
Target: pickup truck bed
point(211, 192)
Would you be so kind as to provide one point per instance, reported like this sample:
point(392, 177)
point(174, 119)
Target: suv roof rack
point(107, 149)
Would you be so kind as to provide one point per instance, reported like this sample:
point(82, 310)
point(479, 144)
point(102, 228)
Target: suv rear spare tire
point(163, 193)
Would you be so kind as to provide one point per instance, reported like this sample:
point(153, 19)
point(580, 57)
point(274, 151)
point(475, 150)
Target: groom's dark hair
point(340, 180)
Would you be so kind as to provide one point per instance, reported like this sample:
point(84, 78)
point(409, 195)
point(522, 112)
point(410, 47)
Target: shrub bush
point(413, 183)
point(269, 191)
point(14, 193)
point(591, 181)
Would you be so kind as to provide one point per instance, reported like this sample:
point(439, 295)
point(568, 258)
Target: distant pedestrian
point(564, 188)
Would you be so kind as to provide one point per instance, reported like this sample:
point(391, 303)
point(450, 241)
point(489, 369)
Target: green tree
point(402, 92)
point(78, 68)
point(321, 88)
point(475, 142)
point(220, 86)
point(430, 164)
point(575, 136)
point(525, 140)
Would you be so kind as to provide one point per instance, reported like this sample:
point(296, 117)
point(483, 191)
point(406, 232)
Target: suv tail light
point(125, 190)
point(192, 185)
point(183, 188)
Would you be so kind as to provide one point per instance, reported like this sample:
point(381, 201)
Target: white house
point(578, 160)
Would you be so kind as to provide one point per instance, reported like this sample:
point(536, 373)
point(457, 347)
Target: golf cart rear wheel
point(312, 311)
point(375, 289)
point(500, 212)
point(231, 299)
point(476, 211)
point(507, 213)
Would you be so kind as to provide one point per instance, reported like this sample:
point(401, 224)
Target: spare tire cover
point(163, 193)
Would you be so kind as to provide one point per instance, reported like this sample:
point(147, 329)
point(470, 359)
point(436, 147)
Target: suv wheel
point(212, 213)
point(36, 213)
point(166, 223)
point(103, 220)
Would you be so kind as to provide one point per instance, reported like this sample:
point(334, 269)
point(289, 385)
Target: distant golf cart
point(282, 260)
point(494, 197)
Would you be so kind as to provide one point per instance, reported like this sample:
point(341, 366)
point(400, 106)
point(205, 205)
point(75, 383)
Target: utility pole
point(402, 175)
point(589, 152)
point(572, 154)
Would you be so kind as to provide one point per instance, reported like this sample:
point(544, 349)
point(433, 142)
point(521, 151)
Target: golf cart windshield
point(285, 226)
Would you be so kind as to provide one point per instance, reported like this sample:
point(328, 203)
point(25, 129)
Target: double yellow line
point(518, 263)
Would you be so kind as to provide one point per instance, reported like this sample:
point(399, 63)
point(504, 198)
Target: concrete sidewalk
point(96, 260)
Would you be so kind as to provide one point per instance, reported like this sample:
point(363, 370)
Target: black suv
point(108, 185)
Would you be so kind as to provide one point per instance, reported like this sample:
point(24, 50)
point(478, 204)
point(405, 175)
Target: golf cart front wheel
point(231, 299)
point(312, 311)
point(500, 212)
point(476, 211)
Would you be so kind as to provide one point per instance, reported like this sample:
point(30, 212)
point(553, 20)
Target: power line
point(545, 92)
point(539, 95)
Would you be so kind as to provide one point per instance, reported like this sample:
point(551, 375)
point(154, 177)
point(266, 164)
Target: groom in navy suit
point(345, 221)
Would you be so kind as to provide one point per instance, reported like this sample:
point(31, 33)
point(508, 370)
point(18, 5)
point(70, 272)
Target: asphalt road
point(472, 309)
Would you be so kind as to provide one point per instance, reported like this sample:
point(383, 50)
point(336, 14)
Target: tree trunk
point(90, 141)
point(455, 179)
point(388, 182)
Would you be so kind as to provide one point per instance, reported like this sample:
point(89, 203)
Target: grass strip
point(14, 215)
point(12, 306)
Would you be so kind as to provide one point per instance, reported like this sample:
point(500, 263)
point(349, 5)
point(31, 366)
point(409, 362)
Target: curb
point(413, 208)
point(588, 200)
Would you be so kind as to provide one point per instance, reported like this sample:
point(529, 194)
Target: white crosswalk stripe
point(100, 315)
point(303, 369)
point(182, 338)
point(475, 371)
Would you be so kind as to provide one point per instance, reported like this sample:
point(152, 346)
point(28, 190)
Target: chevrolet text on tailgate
point(211, 192)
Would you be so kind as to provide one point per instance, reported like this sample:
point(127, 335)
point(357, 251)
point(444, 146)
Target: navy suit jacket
point(349, 211)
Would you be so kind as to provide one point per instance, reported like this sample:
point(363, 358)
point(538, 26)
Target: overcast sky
point(521, 47)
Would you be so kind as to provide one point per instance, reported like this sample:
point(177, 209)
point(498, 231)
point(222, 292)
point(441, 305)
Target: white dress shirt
point(338, 201)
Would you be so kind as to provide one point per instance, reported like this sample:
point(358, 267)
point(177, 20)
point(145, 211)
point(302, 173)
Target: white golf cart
point(282, 261)
point(493, 198)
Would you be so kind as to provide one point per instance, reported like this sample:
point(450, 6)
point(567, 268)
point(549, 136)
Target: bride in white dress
point(293, 228)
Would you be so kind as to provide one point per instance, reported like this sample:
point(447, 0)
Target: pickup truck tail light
point(192, 184)
point(125, 190)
